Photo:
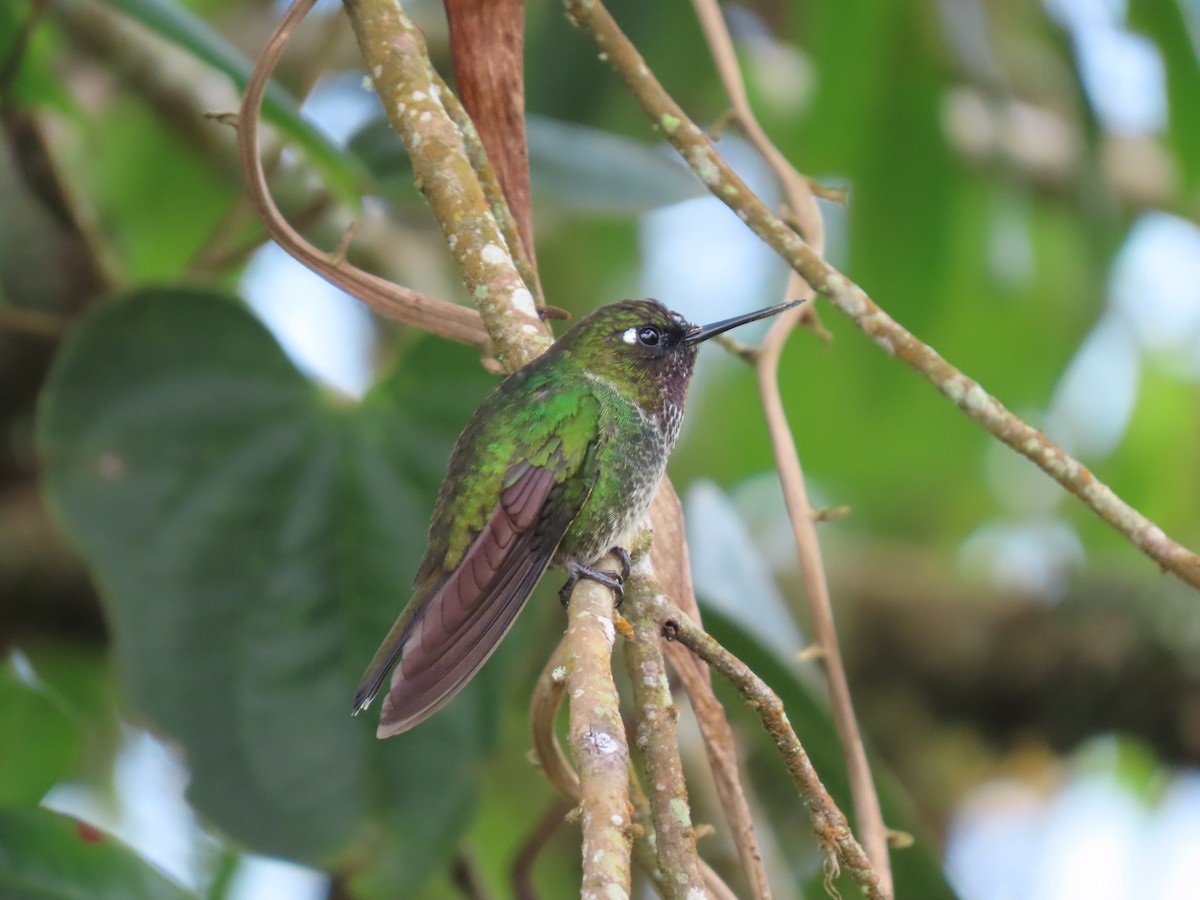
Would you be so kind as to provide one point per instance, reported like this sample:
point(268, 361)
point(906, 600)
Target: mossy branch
point(597, 740)
point(416, 103)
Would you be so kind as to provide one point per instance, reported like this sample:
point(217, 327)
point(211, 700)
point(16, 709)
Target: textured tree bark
point(487, 41)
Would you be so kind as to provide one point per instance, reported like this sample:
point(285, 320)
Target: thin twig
point(436, 316)
point(829, 823)
point(803, 207)
point(867, 812)
point(33, 322)
point(717, 888)
point(548, 696)
point(547, 826)
point(223, 249)
point(872, 829)
point(597, 738)
point(658, 741)
point(670, 558)
point(964, 392)
point(464, 871)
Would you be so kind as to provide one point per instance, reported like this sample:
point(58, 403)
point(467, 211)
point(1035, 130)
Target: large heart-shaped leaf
point(252, 538)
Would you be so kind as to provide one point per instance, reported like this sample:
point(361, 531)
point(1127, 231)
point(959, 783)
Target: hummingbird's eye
point(649, 336)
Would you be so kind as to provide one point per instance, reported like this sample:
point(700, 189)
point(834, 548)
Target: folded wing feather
point(465, 619)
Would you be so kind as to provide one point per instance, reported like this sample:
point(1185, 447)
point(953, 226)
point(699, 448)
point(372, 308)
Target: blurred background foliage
point(216, 473)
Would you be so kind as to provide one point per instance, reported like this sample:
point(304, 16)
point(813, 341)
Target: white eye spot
point(630, 336)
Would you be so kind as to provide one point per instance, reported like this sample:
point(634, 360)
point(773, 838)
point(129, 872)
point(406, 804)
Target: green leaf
point(38, 741)
point(572, 166)
point(177, 24)
point(1176, 31)
point(128, 166)
point(47, 856)
point(79, 678)
point(253, 540)
point(35, 83)
point(852, 45)
point(598, 173)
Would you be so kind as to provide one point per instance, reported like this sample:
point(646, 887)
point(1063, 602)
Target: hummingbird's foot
point(611, 580)
point(626, 562)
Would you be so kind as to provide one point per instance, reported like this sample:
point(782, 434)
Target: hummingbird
point(556, 466)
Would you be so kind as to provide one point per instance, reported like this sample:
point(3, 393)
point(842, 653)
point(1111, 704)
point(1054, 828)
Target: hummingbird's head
point(639, 347)
point(645, 349)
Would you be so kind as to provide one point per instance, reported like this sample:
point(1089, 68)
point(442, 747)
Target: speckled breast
point(632, 456)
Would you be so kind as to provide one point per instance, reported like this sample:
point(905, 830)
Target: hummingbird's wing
point(444, 637)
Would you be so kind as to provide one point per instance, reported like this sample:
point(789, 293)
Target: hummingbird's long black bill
point(704, 332)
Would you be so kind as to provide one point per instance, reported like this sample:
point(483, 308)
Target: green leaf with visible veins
point(253, 538)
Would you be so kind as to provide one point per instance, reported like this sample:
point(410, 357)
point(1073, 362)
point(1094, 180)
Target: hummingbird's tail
point(441, 643)
point(452, 625)
point(387, 654)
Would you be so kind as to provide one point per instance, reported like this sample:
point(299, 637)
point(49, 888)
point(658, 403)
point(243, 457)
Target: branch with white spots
point(697, 150)
point(416, 103)
point(490, 183)
point(597, 741)
point(548, 753)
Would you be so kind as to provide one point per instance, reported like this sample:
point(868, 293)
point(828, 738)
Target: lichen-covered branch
point(967, 394)
point(547, 698)
point(645, 855)
point(490, 182)
point(398, 63)
point(657, 740)
point(597, 741)
point(829, 823)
